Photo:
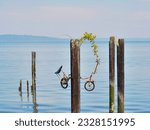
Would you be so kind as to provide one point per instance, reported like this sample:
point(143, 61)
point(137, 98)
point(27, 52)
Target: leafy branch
point(91, 38)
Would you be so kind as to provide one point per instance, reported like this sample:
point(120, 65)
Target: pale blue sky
point(122, 18)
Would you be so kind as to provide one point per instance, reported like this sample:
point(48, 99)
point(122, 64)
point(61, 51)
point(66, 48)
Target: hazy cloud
point(125, 19)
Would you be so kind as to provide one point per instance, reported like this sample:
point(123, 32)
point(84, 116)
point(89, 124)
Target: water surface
point(15, 64)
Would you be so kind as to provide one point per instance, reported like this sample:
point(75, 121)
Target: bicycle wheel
point(89, 85)
point(64, 83)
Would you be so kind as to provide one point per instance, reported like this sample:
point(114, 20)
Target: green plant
point(91, 38)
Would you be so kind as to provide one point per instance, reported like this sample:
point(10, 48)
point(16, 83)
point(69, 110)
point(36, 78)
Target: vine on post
point(91, 38)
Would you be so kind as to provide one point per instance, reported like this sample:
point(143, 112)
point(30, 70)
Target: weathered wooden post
point(120, 75)
point(27, 86)
point(75, 76)
point(20, 87)
point(33, 70)
point(33, 89)
point(111, 74)
point(27, 89)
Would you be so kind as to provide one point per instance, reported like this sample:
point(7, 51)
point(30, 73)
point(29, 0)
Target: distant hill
point(9, 38)
point(12, 38)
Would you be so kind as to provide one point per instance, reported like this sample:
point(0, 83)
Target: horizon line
point(67, 36)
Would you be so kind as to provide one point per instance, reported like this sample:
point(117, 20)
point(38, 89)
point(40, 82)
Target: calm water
point(15, 64)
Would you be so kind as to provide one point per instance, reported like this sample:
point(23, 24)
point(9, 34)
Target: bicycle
point(89, 85)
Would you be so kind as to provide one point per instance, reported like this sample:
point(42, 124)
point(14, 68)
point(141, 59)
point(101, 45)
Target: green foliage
point(91, 38)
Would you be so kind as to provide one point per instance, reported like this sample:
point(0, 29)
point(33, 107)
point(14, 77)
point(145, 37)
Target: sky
point(59, 18)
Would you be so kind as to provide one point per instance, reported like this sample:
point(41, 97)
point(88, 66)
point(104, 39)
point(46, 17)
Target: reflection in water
point(51, 97)
point(35, 105)
point(33, 95)
point(20, 93)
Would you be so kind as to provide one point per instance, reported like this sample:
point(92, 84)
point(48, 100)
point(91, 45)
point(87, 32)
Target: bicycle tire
point(89, 85)
point(64, 83)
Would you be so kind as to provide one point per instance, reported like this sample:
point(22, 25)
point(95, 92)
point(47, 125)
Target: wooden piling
point(20, 90)
point(120, 75)
point(33, 90)
point(27, 85)
point(33, 70)
point(75, 76)
point(28, 89)
point(20, 86)
point(111, 74)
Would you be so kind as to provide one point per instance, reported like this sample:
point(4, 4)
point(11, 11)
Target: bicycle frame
point(64, 79)
point(89, 85)
point(93, 72)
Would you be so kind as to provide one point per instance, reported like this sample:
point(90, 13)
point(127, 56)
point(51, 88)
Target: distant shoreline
point(10, 38)
point(13, 38)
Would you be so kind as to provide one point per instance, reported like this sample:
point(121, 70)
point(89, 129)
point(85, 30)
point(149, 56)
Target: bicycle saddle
point(58, 71)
